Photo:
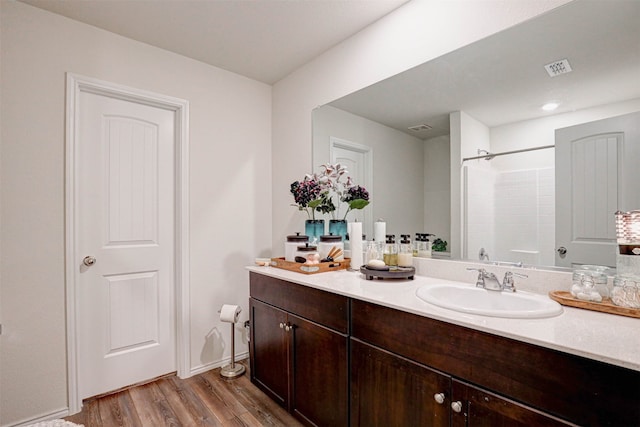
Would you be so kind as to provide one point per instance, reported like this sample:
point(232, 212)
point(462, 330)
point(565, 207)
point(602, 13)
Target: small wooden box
point(323, 267)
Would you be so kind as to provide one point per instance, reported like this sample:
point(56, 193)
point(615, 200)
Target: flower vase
point(338, 227)
point(314, 228)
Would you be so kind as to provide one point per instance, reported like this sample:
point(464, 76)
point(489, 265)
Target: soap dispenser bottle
point(428, 245)
point(423, 245)
point(405, 252)
point(416, 244)
point(390, 256)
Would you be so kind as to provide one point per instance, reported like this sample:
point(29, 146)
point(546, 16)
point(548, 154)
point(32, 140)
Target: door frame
point(76, 84)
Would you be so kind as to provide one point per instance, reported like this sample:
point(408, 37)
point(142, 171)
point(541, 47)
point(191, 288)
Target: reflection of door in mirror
point(357, 158)
point(596, 156)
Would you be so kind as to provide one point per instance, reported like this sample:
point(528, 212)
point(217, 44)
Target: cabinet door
point(389, 390)
point(319, 364)
point(269, 351)
point(482, 408)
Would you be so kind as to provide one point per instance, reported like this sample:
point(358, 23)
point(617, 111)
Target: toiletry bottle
point(291, 245)
point(372, 252)
point(428, 244)
point(416, 244)
point(405, 252)
point(422, 246)
point(391, 251)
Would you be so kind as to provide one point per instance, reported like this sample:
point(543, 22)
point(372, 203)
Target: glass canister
point(307, 252)
point(589, 283)
point(374, 250)
point(291, 245)
point(331, 244)
point(626, 291)
point(405, 252)
point(390, 256)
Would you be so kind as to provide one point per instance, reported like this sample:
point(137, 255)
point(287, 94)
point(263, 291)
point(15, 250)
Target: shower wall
point(510, 214)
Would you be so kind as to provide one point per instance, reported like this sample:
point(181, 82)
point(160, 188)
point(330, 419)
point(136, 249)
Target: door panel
point(594, 186)
point(132, 181)
point(358, 160)
point(389, 390)
point(270, 368)
point(320, 374)
point(125, 167)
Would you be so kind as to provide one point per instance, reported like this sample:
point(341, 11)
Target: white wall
point(468, 135)
point(230, 203)
point(415, 33)
point(437, 188)
point(397, 167)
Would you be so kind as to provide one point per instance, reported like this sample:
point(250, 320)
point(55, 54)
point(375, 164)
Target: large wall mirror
point(460, 146)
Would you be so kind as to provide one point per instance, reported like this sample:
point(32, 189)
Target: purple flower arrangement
point(316, 192)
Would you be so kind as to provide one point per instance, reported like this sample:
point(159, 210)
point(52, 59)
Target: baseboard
point(217, 364)
point(61, 413)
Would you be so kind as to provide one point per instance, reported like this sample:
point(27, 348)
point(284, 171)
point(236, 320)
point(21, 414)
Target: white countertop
point(605, 337)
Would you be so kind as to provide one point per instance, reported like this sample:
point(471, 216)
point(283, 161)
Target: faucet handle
point(482, 273)
point(508, 283)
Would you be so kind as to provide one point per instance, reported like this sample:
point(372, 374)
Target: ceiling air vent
point(420, 128)
point(558, 67)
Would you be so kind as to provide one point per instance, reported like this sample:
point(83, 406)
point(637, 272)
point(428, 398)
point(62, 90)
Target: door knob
point(89, 260)
point(561, 250)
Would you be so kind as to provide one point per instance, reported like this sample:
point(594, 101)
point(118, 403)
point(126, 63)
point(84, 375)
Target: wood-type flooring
point(206, 399)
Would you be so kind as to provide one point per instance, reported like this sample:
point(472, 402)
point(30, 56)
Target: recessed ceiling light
point(550, 106)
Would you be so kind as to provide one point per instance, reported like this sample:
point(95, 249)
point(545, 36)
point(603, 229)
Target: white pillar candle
point(355, 237)
point(380, 231)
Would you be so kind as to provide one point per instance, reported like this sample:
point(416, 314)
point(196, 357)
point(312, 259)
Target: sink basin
point(470, 299)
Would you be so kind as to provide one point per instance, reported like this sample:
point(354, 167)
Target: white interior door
point(357, 158)
point(588, 191)
point(125, 243)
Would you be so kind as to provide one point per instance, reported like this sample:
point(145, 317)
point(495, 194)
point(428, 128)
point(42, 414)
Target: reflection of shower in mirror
point(487, 155)
point(483, 255)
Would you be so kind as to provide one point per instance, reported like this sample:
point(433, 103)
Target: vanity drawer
point(325, 308)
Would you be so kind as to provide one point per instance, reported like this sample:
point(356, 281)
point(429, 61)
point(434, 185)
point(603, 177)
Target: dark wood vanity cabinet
point(335, 361)
point(496, 380)
point(388, 390)
point(299, 349)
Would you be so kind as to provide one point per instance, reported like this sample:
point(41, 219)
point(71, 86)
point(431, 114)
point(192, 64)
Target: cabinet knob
point(281, 325)
point(439, 397)
point(456, 406)
point(287, 327)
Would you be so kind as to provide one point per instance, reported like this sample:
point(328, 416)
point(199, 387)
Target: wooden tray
point(606, 306)
point(398, 273)
point(323, 267)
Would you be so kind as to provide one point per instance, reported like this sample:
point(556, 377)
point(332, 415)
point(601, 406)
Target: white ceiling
point(502, 79)
point(261, 39)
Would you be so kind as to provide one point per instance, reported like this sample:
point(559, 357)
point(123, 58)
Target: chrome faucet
point(490, 282)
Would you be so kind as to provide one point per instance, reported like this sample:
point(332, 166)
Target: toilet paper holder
point(231, 370)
